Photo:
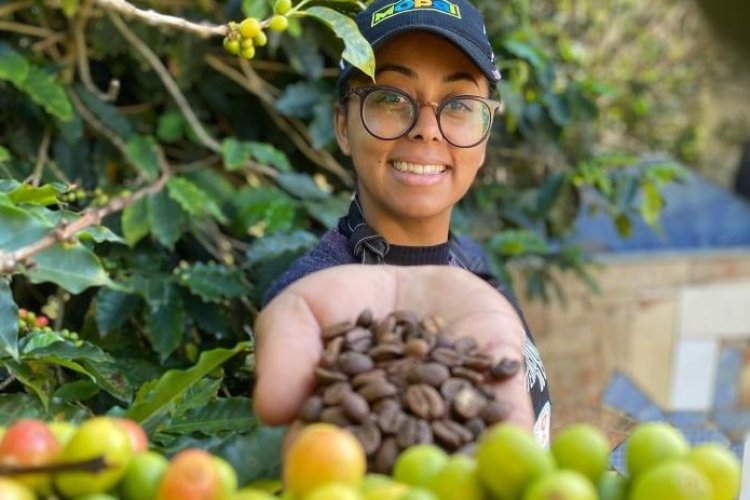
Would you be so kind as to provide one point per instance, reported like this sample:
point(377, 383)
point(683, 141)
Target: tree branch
point(84, 71)
point(65, 231)
point(154, 18)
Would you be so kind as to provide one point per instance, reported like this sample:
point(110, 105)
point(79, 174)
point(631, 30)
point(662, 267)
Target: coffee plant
point(162, 162)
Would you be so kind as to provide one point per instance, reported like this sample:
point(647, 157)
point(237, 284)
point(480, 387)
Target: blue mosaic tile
point(733, 421)
point(624, 395)
point(617, 459)
point(687, 419)
point(727, 378)
point(738, 448)
point(697, 435)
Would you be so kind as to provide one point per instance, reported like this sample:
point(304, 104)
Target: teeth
point(416, 168)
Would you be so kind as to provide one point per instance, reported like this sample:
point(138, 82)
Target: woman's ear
point(339, 125)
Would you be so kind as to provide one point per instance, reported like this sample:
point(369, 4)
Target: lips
point(418, 168)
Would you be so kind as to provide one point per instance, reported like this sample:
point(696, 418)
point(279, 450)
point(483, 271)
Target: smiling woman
point(417, 136)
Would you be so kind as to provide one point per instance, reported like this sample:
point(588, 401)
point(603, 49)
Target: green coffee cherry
point(246, 44)
point(232, 46)
point(278, 23)
point(282, 6)
point(249, 27)
point(247, 52)
point(260, 40)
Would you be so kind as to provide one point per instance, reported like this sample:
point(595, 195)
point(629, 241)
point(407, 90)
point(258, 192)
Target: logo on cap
point(390, 10)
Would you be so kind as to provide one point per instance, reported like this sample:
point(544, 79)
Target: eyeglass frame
point(363, 91)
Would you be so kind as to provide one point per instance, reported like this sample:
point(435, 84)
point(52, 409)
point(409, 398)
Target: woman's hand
point(289, 346)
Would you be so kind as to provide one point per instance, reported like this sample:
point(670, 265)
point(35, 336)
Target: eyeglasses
point(389, 113)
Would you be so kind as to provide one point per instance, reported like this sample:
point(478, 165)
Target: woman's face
point(409, 185)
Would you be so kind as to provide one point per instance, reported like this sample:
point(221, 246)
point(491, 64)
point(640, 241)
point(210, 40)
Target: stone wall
point(678, 325)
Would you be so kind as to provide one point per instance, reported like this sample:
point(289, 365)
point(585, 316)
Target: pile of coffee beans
point(405, 380)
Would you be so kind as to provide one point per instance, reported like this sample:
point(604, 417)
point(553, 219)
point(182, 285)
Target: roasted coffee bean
point(506, 368)
point(364, 378)
point(452, 386)
point(355, 407)
point(479, 362)
point(327, 377)
point(331, 352)
point(391, 338)
point(432, 325)
point(424, 401)
point(447, 356)
point(397, 369)
point(368, 435)
point(451, 434)
point(334, 393)
point(377, 390)
point(433, 374)
point(385, 326)
point(494, 412)
point(414, 431)
point(359, 339)
point(382, 352)
point(390, 416)
point(335, 415)
point(417, 348)
point(337, 329)
point(386, 456)
point(465, 345)
point(472, 376)
point(405, 317)
point(468, 403)
point(365, 318)
point(476, 426)
point(488, 390)
point(352, 363)
point(443, 340)
point(310, 411)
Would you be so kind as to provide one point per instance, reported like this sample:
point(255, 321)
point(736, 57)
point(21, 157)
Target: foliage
point(146, 220)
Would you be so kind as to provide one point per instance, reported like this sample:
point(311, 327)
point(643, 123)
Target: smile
point(416, 168)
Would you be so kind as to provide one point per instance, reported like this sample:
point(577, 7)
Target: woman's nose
point(426, 127)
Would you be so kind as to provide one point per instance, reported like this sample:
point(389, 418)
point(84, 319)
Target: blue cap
point(457, 21)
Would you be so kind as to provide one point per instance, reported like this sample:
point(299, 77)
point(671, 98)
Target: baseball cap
point(457, 21)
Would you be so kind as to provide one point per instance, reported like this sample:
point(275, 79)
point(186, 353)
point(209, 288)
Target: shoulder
point(332, 250)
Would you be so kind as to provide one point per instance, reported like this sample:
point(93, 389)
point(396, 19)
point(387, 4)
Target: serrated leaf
point(171, 127)
point(99, 234)
point(78, 390)
point(71, 266)
point(357, 51)
point(39, 381)
point(517, 242)
point(254, 455)
point(321, 127)
point(276, 244)
point(151, 411)
point(268, 155)
point(142, 153)
point(48, 93)
point(108, 376)
point(19, 227)
point(165, 317)
point(106, 113)
point(135, 222)
point(13, 66)
point(44, 195)
point(16, 406)
point(213, 282)
point(549, 191)
point(113, 308)
point(235, 153)
point(221, 415)
point(165, 218)
point(300, 185)
point(8, 320)
point(199, 395)
point(299, 99)
point(193, 199)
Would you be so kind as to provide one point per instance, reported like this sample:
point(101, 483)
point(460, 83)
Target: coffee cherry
point(247, 52)
point(249, 27)
point(260, 40)
point(282, 6)
point(278, 23)
point(232, 46)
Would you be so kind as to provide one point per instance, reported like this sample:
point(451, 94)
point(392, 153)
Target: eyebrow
point(410, 73)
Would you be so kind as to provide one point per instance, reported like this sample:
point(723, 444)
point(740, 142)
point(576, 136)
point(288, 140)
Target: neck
point(414, 231)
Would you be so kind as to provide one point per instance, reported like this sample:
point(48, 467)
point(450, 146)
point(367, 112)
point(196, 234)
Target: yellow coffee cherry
point(246, 44)
point(278, 23)
point(260, 40)
point(247, 52)
point(282, 6)
point(249, 27)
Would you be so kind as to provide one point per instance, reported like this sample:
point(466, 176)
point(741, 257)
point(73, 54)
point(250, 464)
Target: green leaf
point(78, 390)
point(143, 153)
point(99, 234)
point(166, 218)
point(549, 191)
point(193, 199)
point(268, 155)
point(71, 266)
point(212, 282)
point(256, 8)
point(276, 244)
point(254, 455)
point(158, 403)
point(526, 52)
point(235, 153)
point(321, 127)
point(13, 66)
point(8, 320)
point(558, 109)
point(299, 99)
point(106, 113)
point(171, 127)
point(197, 396)
point(20, 227)
point(165, 318)
point(301, 186)
point(16, 406)
point(516, 242)
point(135, 222)
point(4, 155)
point(221, 415)
point(45, 195)
point(357, 51)
point(108, 376)
point(651, 203)
point(48, 93)
point(40, 380)
point(113, 308)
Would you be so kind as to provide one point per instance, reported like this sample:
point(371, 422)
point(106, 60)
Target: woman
point(417, 137)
